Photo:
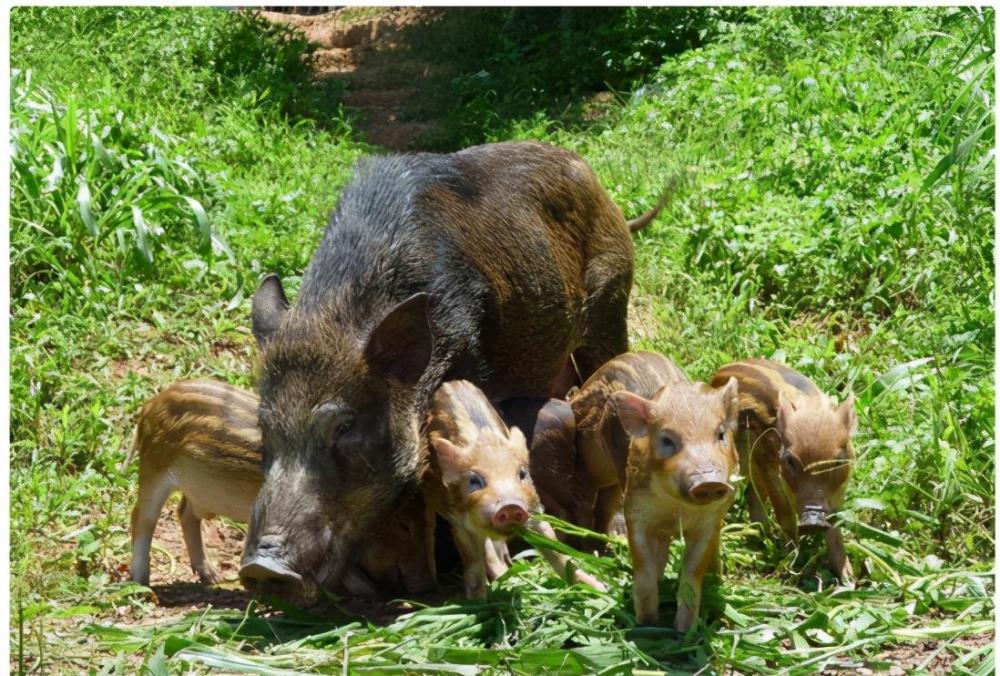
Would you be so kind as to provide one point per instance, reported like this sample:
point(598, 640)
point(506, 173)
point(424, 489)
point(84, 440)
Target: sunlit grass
point(835, 212)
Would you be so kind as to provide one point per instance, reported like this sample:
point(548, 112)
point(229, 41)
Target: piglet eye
point(522, 474)
point(665, 447)
point(789, 462)
point(476, 482)
point(722, 434)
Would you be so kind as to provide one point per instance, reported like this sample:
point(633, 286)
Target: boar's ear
point(400, 346)
point(268, 307)
point(847, 414)
point(450, 458)
point(731, 400)
point(633, 412)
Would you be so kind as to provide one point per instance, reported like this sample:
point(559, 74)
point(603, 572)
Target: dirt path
point(366, 50)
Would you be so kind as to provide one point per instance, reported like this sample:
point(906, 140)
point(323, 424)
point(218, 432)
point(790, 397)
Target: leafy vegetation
point(834, 211)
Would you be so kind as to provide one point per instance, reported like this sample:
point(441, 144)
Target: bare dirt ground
point(177, 592)
point(366, 50)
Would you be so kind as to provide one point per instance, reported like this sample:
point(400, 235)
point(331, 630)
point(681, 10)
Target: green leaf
point(84, 201)
point(142, 234)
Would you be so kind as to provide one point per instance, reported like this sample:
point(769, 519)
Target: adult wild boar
point(494, 265)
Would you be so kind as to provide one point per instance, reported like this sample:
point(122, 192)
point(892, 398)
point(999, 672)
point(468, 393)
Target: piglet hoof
point(475, 587)
point(589, 580)
point(209, 576)
point(647, 618)
point(618, 528)
point(846, 576)
point(684, 620)
point(475, 593)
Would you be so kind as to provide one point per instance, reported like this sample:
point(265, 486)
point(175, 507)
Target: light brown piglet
point(681, 460)
point(202, 438)
point(478, 479)
point(795, 445)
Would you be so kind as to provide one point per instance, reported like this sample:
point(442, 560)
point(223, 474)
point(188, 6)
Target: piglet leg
point(839, 563)
point(560, 561)
point(649, 550)
point(701, 548)
point(191, 528)
point(496, 557)
point(471, 548)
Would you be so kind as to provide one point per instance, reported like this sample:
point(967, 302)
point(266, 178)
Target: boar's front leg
point(701, 549)
point(649, 549)
point(471, 547)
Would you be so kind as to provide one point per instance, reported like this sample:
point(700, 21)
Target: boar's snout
point(509, 516)
point(709, 487)
point(266, 574)
point(813, 520)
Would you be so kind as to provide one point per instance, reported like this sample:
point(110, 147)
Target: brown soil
point(365, 48)
point(907, 657)
point(178, 592)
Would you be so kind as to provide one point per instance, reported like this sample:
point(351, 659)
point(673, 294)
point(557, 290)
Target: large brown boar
point(478, 479)
point(795, 445)
point(201, 438)
point(493, 264)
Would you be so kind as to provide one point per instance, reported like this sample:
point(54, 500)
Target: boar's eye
point(344, 426)
point(722, 433)
point(666, 447)
point(476, 482)
point(264, 416)
point(522, 474)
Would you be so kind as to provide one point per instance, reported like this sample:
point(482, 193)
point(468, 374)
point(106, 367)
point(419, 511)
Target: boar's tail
point(640, 222)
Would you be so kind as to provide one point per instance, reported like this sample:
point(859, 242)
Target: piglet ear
point(634, 413)
point(555, 420)
point(784, 412)
point(730, 395)
point(848, 416)
point(517, 439)
point(400, 346)
point(450, 458)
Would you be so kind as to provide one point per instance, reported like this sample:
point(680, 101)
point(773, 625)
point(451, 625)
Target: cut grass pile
point(834, 211)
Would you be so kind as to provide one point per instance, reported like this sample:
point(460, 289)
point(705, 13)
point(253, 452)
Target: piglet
point(681, 459)
point(795, 445)
point(478, 480)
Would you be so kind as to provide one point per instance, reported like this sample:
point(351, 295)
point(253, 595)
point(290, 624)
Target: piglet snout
point(709, 490)
point(510, 515)
point(813, 521)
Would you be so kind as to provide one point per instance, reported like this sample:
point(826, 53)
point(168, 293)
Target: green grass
point(836, 212)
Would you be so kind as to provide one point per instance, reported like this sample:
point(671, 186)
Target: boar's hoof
point(707, 492)
point(509, 516)
point(813, 522)
point(266, 575)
